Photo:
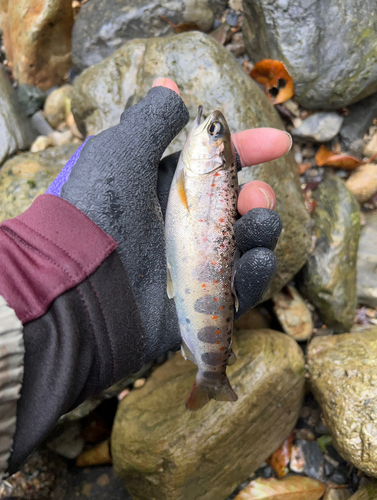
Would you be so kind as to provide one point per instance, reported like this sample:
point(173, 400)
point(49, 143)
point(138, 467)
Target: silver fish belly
point(201, 211)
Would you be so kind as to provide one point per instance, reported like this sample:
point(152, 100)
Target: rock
point(326, 46)
point(41, 143)
point(328, 279)
point(212, 77)
point(31, 98)
point(41, 124)
point(360, 117)
point(307, 458)
point(162, 451)
point(102, 26)
point(363, 182)
point(371, 147)
point(367, 493)
point(343, 376)
point(68, 443)
point(367, 262)
point(252, 320)
point(319, 127)
point(340, 494)
point(37, 40)
point(56, 108)
point(293, 313)
point(26, 176)
point(16, 131)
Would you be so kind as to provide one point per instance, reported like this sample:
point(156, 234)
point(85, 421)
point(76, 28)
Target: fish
point(200, 250)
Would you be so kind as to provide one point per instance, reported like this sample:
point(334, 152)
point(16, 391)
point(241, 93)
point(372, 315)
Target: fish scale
point(201, 211)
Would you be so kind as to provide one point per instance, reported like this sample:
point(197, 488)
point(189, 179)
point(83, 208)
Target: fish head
point(209, 145)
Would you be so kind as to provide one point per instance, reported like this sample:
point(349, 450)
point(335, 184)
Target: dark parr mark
point(212, 358)
point(208, 334)
point(206, 305)
point(212, 375)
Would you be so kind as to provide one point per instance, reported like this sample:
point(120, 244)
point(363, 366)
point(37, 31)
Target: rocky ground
point(306, 370)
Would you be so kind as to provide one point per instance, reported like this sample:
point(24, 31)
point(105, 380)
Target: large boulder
point(26, 176)
point(102, 26)
point(328, 46)
point(165, 452)
point(367, 262)
point(208, 75)
point(328, 279)
point(343, 375)
point(37, 39)
point(16, 130)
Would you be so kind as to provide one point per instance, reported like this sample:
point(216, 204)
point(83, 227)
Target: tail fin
point(201, 394)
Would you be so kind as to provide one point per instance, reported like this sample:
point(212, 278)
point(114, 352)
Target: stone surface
point(328, 46)
point(371, 148)
point(55, 108)
point(37, 39)
point(367, 493)
point(328, 279)
point(164, 452)
point(319, 127)
point(307, 458)
point(26, 176)
point(293, 313)
point(363, 182)
point(206, 74)
point(102, 26)
point(343, 376)
point(16, 131)
point(341, 494)
point(31, 98)
point(367, 262)
point(360, 117)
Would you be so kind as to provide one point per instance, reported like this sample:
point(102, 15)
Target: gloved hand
point(120, 182)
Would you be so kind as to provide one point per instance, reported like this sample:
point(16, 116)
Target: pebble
point(293, 313)
point(319, 127)
point(371, 148)
point(363, 182)
point(367, 262)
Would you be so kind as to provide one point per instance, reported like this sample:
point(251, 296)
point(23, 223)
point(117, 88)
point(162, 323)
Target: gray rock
point(360, 117)
point(319, 127)
point(102, 26)
point(328, 279)
point(31, 98)
point(206, 74)
point(16, 131)
point(328, 46)
point(307, 458)
point(367, 262)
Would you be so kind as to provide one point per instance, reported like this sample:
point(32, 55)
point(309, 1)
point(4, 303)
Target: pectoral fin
point(180, 183)
point(236, 258)
point(169, 284)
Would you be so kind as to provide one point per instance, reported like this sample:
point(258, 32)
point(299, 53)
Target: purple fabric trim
point(57, 185)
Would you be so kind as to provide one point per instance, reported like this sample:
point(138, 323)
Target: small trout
point(201, 211)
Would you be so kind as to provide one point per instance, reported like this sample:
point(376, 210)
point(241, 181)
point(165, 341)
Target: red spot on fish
point(218, 359)
point(213, 185)
point(218, 332)
point(203, 285)
point(215, 282)
point(201, 220)
point(214, 317)
point(214, 263)
point(218, 342)
point(217, 174)
point(222, 348)
point(205, 239)
point(215, 299)
point(221, 220)
point(221, 308)
point(222, 271)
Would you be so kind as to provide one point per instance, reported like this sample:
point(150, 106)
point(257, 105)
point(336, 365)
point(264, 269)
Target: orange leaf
point(277, 82)
point(328, 158)
point(183, 27)
point(280, 458)
point(289, 488)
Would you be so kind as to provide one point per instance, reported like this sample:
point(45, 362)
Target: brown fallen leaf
point(277, 82)
point(280, 458)
point(326, 157)
point(289, 488)
point(98, 455)
point(303, 167)
point(182, 27)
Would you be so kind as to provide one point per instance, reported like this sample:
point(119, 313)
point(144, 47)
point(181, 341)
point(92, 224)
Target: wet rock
point(41, 124)
point(343, 375)
point(319, 127)
point(68, 443)
point(307, 458)
point(16, 131)
point(367, 262)
point(26, 176)
point(55, 108)
point(162, 451)
point(253, 320)
point(102, 26)
point(329, 47)
point(340, 494)
point(37, 39)
point(367, 493)
point(328, 279)
point(360, 117)
point(212, 77)
point(363, 182)
point(293, 313)
point(31, 98)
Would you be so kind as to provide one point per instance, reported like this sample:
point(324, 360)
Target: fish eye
point(216, 128)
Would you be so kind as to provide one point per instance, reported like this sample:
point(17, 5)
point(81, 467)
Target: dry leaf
point(326, 157)
point(277, 82)
point(289, 488)
point(183, 27)
point(280, 458)
point(98, 455)
point(303, 167)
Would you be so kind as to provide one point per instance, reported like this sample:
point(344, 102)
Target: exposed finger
point(256, 194)
point(261, 144)
point(166, 82)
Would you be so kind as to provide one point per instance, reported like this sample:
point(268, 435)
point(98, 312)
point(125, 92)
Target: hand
point(119, 182)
